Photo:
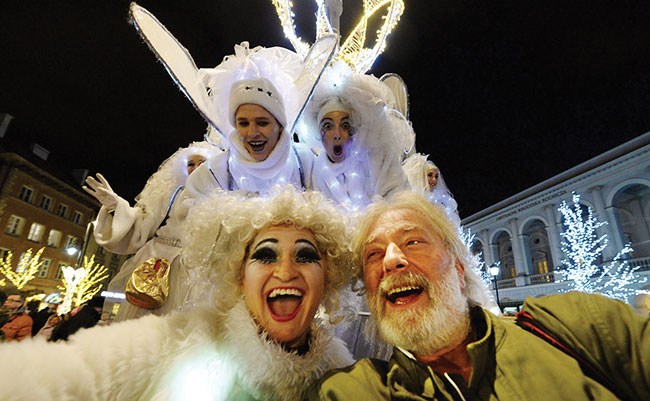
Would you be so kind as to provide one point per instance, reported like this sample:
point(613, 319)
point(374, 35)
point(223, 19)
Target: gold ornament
point(148, 286)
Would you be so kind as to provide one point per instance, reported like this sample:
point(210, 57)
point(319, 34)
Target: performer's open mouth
point(338, 150)
point(404, 294)
point(284, 302)
point(257, 146)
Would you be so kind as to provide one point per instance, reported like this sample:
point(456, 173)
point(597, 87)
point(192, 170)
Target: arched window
point(504, 248)
point(631, 205)
point(538, 250)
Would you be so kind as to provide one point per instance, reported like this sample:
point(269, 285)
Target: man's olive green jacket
point(510, 363)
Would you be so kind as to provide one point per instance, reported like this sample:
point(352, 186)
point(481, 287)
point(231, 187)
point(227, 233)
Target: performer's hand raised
point(100, 189)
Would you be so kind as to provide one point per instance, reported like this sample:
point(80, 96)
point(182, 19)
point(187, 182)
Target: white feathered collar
point(265, 370)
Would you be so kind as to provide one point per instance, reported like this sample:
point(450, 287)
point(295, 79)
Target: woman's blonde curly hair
point(220, 229)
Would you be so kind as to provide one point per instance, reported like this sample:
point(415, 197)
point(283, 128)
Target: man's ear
point(461, 275)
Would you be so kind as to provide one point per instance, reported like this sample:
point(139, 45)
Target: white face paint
point(283, 282)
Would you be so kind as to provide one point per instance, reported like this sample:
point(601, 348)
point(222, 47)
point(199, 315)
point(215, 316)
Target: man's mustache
point(401, 279)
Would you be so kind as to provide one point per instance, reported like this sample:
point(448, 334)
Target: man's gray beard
point(425, 329)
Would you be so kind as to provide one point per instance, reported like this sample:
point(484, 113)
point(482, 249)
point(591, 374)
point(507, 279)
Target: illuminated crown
point(352, 51)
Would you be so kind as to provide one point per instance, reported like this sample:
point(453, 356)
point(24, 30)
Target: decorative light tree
point(27, 268)
point(80, 285)
point(582, 246)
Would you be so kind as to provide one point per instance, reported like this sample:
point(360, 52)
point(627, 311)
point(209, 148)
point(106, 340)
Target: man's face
point(13, 302)
point(414, 287)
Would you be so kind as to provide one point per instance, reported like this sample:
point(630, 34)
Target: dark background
point(504, 94)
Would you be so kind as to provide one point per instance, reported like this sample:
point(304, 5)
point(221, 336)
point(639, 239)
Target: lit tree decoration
point(80, 285)
point(353, 50)
point(582, 246)
point(478, 265)
point(27, 268)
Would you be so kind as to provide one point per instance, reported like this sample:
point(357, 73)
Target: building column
point(610, 229)
point(488, 256)
point(517, 253)
point(554, 238)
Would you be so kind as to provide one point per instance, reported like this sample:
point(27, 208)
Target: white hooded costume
point(152, 229)
point(379, 137)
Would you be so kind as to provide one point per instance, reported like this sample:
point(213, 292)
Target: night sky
point(504, 94)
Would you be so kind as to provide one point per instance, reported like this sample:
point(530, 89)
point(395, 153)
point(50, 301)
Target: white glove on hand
point(102, 191)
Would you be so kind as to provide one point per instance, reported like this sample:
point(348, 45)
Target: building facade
point(523, 232)
point(38, 210)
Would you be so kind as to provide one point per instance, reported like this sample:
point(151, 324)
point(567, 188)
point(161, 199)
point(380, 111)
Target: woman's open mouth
point(284, 303)
point(338, 150)
point(257, 146)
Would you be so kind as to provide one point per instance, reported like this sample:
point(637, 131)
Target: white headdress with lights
point(380, 137)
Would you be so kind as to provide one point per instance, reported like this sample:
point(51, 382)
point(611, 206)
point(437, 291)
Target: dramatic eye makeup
point(266, 252)
point(306, 252)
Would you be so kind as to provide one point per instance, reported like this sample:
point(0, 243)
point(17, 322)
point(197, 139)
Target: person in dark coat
point(87, 317)
point(40, 317)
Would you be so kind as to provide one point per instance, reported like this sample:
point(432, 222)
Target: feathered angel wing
point(177, 60)
point(319, 57)
point(400, 91)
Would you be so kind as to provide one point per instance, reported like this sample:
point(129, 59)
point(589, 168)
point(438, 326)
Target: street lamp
point(71, 250)
point(494, 272)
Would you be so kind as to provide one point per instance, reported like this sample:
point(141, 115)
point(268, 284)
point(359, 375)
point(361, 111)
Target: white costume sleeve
point(306, 157)
point(389, 174)
point(127, 229)
point(106, 362)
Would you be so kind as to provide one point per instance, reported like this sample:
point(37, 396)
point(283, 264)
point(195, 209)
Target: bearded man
point(425, 299)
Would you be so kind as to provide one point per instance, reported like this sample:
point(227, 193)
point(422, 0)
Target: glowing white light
point(71, 250)
point(111, 294)
point(204, 376)
point(582, 247)
point(352, 51)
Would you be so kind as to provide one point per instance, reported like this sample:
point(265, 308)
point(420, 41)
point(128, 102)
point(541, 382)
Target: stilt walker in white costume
point(425, 179)
point(253, 98)
point(360, 138)
point(152, 230)
point(272, 263)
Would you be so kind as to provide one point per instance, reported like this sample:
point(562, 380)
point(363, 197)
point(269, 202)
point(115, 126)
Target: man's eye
point(307, 256)
point(243, 123)
point(412, 242)
point(372, 255)
point(263, 123)
point(346, 126)
point(265, 255)
point(327, 126)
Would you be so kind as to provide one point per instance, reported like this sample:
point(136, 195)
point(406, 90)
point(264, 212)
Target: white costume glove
point(102, 191)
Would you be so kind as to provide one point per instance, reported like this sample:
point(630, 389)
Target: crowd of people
point(251, 248)
point(20, 320)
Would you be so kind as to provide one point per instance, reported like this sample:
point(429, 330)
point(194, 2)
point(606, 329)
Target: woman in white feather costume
point(279, 257)
point(152, 228)
point(425, 179)
point(359, 138)
point(255, 100)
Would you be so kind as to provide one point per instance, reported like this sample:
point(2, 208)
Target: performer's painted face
point(432, 178)
point(283, 282)
point(193, 162)
point(336, 132)
point(258, 130)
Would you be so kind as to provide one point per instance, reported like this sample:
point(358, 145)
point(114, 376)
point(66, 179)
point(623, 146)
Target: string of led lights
point(353, 50)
